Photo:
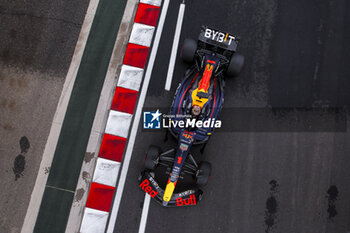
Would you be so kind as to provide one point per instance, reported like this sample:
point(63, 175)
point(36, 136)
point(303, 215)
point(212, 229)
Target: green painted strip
point(71, 147)
point(56, 205)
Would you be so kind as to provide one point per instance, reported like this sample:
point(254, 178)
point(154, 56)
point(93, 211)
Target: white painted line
point(51, 143)
point(106, 172)
point(152, 2)
point(94, 221)
point(169, 76)
point(129, 149)
point(142, 34)
point(144, 214)
point(65, 190)
point(130, 77)
point(118, 123)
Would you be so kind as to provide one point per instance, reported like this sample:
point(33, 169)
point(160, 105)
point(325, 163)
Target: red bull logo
point(147, 188)
point(187, 134)
point(188, 201)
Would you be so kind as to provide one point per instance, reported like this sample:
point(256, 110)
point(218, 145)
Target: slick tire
point(151, 159)
point(203, 173)
point(188, 50)
point(235, 66)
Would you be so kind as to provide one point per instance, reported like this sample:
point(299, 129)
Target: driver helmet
point(196, 110)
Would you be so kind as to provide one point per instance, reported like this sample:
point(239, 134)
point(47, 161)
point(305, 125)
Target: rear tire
point(203, 173)
point(151, 159)
point(235, 66)
point(188, 50)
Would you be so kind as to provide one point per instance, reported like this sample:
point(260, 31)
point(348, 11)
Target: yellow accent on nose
point(168, 191)
point(198, 101)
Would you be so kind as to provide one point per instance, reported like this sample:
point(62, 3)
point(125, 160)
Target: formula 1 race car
point(194, 112)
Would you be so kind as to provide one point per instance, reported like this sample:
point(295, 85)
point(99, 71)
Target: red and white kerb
point(116, 132)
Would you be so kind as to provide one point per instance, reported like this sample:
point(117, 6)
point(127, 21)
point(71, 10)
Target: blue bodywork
point(182, 103)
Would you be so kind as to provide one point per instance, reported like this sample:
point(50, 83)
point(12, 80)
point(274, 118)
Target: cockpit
point(202, 90)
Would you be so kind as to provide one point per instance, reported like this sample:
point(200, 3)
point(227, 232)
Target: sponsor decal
point(218, 36)
point(186, 193)
point(155, 184)
point(183, 147)
point(147, 188)
point(187, 134)
point(175, 174)
point(188, 201)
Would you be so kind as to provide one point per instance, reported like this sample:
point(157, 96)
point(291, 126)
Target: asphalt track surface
point(291, 181)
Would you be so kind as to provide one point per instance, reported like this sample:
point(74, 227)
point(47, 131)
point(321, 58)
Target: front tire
point(152, 157)
point(203, 173)
point(235, 66)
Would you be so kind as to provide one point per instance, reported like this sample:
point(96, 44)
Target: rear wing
point(218, 38)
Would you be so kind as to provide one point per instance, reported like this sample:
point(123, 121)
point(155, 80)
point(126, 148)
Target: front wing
point(152, 188)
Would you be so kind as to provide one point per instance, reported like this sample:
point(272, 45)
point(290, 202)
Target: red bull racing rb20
point(199, 98)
